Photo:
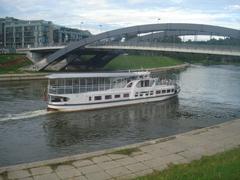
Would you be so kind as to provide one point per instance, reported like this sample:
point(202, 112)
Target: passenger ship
point(86, 91)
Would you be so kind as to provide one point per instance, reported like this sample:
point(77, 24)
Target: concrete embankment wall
point(17, 77)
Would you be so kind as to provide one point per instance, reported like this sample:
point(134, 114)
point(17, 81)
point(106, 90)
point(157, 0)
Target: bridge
point(110, 44)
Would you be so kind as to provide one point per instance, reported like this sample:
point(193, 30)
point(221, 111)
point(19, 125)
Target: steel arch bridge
point(133, 32)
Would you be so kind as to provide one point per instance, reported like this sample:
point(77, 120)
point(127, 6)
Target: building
point(1, 32)
point(16, 33)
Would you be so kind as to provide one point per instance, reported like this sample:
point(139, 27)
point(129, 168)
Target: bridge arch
point(134, 30)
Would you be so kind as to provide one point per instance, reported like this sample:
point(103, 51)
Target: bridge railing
point(170, 45)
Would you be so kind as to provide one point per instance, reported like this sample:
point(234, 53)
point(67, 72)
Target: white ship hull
point(93, 106)
point(76, 92)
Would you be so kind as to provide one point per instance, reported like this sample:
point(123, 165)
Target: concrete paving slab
point(41, 170)
point(126, 177)
point(117, 156)
point(119, 171)
point(109, 165)
point(90, 169)
point(136, 167)
point(127, 161)
point(98, 176)
point(144, 172)
point(160, 167)
point(172, 158)
point(143, 157)
point(82, 163)
point(67, 171)
point(79, 178)
point(154, 163)
point(27, 178)
point(99, 159)
point(18, 174)
point(52, 176)
point(159, 153)
point(190, 155)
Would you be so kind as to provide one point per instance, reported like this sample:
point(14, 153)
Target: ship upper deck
point(97, 75)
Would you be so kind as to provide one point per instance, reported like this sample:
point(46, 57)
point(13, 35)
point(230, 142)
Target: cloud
point(112, 14)
point(234, 7)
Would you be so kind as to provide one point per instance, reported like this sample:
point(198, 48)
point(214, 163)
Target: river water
point(209, 95)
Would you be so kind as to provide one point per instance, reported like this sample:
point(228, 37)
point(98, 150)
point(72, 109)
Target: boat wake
point(24, 115)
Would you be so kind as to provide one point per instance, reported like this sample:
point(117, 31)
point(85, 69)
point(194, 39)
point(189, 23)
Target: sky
point(103, 15)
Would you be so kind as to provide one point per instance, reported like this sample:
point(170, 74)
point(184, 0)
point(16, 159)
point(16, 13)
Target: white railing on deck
point(82, 89)
point(100, 87)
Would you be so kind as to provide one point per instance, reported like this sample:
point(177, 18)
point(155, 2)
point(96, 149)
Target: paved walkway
point(145, 158)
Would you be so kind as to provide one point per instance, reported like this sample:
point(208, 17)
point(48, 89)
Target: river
point(209, 95)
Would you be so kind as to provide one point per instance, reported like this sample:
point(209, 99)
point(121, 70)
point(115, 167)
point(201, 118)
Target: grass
point(128, 151)
point(7, 58)
point(225, 165)
point(140, 61)
point(14, 63)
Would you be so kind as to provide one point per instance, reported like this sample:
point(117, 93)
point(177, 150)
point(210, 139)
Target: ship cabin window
point(97, 98)
point(89, 98)
point(164, 91)
point(144, 83)
point(108, 97)
point(158, 92)
point(168, 91)
point(117, 96)
point(129, 85)
point(58, 99)
point(136, 95)
point(151, 93)
point(172, 90)
point(125, 95)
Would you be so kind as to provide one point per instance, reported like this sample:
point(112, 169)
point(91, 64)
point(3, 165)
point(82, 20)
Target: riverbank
point(41, 76)
point(133, 160)
point(125, 62)
point(12, 63)
point(25, 76)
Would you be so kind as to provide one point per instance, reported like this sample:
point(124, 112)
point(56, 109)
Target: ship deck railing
point(91, 88)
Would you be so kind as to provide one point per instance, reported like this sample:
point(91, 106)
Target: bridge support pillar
point(59, 65)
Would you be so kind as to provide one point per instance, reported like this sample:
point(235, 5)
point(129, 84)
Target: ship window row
point(164, 91)
point(146, 93)
point(107, 97)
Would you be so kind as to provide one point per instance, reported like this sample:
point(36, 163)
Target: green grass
point(225, 165)
point(14, 68)
point(128, 151)
point(7, 58)
point(140, 61)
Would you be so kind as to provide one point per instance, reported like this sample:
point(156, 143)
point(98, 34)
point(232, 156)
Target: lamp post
point(81, 25)
point(100, 28)
point(81, 30)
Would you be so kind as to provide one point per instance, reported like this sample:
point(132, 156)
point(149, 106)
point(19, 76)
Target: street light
point(100, 27)
point(81, 33)
point(81, 25)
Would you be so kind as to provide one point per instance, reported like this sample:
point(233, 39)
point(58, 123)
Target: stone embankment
point(133, 160)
